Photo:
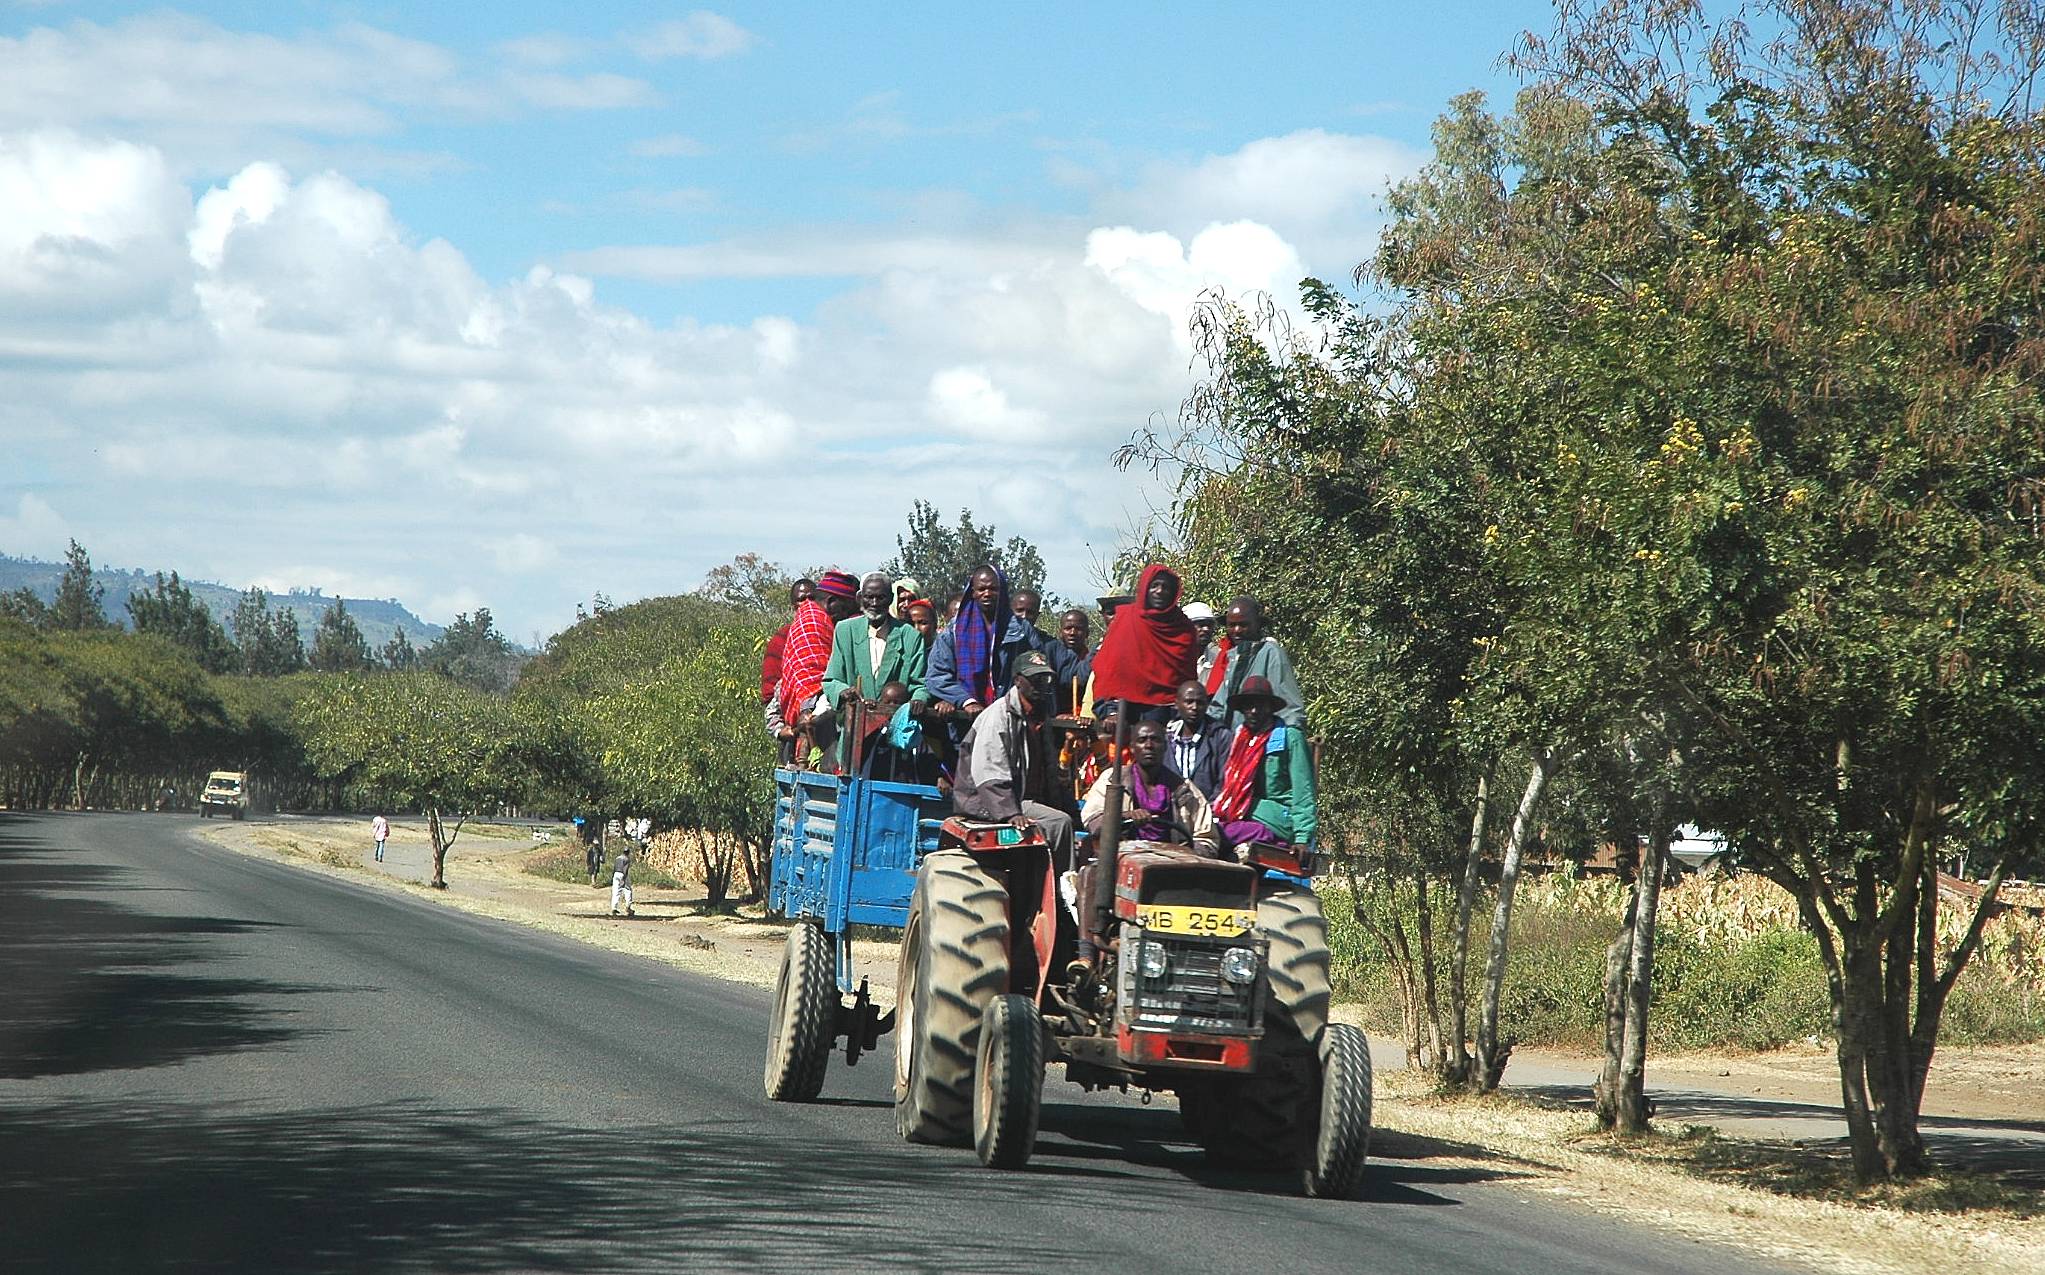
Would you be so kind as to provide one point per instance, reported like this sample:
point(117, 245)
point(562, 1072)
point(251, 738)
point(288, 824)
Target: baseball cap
point(1198, 611)
point(1032, 664)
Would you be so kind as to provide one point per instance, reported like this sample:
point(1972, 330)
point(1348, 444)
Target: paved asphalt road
point(215, 1063)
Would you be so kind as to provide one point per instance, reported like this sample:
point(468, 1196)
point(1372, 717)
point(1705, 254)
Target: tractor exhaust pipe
point(1109, 850)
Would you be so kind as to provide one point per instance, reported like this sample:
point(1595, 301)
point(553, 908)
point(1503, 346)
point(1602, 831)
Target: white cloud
point(701, 35)
point(1165, 277)
point(35, 530)
point(1325, 190)
point(965, 400)
point(286, 375)
point(523, 553)
point(85, 229)
point(209, 98)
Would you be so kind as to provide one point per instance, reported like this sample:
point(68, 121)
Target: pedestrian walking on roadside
point(380, 828)
point(621, 880)
point(592, 850)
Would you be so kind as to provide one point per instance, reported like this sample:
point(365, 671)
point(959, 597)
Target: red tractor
point(1204, 977)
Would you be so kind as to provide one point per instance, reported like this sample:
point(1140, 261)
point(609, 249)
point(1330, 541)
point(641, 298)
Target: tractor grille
point(1192, 995)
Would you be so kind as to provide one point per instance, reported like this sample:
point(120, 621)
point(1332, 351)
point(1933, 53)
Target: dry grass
point(1777, 1200)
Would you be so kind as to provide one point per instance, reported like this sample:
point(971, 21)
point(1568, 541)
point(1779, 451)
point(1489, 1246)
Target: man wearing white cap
point(1205, 624)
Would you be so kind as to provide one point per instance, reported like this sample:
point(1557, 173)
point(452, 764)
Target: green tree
point(421, 740)
point(338, 645)
point(267, 638)
point(1734, 365)
point(942, 557)
point(170, 611)
point(615, 685)
point(79, 604)
point(474, 653)
point(22, 604)
point(749, 583)
point(398, 653)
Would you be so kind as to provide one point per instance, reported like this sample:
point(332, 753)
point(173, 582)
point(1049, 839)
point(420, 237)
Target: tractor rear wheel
point(1008, 1088)
point(799, 1035)
point(1341, 1143)
point(1263, 1118)
point(954, 961)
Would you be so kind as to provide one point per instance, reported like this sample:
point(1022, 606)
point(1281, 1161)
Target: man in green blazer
point(873, 648)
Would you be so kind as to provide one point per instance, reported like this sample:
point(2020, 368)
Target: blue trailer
point(845, 854)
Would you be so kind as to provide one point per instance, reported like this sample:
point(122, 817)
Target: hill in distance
point(378, 618)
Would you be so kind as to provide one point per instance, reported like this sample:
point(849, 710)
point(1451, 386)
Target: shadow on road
point(94, 985)
point(1153, 1136)
point(103, 1186)
point(2010, 1150)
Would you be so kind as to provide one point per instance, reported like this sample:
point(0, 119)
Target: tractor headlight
point(1152, 960)
point(1239, 965)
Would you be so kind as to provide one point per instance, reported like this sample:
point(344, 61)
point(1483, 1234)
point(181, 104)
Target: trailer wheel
point(1008, 1088)
point(954, 961)
point(805, 1013)
point(1341, 1145)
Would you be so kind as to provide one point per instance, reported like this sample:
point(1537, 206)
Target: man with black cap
point(1005, 765)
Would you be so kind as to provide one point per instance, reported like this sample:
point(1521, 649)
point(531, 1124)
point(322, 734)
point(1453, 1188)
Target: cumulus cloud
point(700, 35)
point(1324, 189)
point(34, 530)
point(277, 371)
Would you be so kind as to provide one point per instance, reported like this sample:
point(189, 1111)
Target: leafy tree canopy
point(80, 602)
point(942, 557)
point(338, 645)
point(170, 611)
point(474, 653)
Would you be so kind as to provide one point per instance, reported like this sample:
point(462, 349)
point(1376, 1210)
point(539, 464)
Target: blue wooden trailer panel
point(846, 850)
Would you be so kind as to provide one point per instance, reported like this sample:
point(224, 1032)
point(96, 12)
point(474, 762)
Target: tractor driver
point(1157, 805)
point(1004, 763)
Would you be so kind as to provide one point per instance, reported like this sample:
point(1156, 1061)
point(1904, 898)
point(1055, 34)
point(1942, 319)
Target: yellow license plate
point(1178, 919)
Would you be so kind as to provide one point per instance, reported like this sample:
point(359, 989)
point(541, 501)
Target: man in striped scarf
point(808, 649)
point(1267, 787)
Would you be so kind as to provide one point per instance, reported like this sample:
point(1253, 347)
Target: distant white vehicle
point(227, 792)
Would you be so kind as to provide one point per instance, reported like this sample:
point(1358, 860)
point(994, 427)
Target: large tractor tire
point(1268, 1118)
point(1008, 1084)
point(954, 961)
point(1341, 1147)
point(799, 1035)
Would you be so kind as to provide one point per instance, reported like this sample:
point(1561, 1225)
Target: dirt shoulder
point(1782, 1197)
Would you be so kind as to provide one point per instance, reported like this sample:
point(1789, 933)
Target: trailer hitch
point(861, 1024)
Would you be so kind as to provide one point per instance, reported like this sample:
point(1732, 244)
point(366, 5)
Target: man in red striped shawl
point(808, 649)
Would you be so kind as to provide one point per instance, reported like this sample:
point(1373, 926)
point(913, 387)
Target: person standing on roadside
point(621, 880)
point(380, 828)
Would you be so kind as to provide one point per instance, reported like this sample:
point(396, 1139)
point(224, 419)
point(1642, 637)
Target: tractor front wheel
point(954, 961)
point(1335, 1168)
point(805, 1013)
point(1008, 1089)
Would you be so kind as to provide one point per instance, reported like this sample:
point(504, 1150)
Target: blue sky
point(510, 305)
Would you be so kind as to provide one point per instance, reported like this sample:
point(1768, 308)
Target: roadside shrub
point(1733, 970)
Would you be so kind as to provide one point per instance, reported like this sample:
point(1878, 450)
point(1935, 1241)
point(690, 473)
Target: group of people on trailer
point(1019, 724)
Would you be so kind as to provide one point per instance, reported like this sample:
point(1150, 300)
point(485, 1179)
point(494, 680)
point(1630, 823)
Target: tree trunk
point(1457, 1070)
point(1632, 1106)
point(1431, 1003)
point(1617, 958)
point(440, 846)
point(1491, 1053)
